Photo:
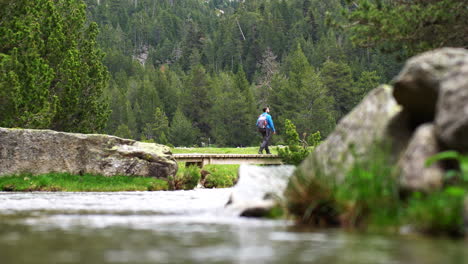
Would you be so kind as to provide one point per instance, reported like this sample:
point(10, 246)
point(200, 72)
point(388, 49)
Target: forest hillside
point(198, 72)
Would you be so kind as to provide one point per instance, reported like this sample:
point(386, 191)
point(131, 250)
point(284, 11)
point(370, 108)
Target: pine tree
point(182, 132)
point(158, 129)
point(366, 82)
point(411, 26)
point(50, 55)
point(267, 68)
point(123, 131)
point(339, 81)
point(25, 75)
point(197, 101)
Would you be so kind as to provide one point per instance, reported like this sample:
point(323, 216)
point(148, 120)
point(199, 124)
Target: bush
point(187, 178)
point(314, 139)
point(293, 153)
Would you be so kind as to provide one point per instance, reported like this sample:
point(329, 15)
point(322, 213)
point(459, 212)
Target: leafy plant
point(452, 155)
point(314, 139)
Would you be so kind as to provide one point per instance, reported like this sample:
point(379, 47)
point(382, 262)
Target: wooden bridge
point(204, 159)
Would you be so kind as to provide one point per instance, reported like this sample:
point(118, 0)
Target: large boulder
point(451, 121)
point(414, 174)
point(377, 119)
point(44, 151)
point(418, 85)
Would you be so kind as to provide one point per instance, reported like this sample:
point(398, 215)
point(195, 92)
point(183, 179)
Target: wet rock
point(259, 189)
point(418, 85)
point(44, 151)
point(451, 122)
point(377, 119)
point(415, 176)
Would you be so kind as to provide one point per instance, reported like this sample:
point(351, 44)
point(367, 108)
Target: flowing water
point(185, 227)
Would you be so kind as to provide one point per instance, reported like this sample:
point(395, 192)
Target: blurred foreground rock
point(44, 151)
point(378, 119)
point(426, 112)
point(424, 77)
point(259, 189)
point(414, 174)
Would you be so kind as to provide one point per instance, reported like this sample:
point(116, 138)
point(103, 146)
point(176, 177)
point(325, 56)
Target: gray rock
point(417, 86)
point(259, 189)
point(376, 119)
point(451, 122)
point(415, 176)
point(44, 151)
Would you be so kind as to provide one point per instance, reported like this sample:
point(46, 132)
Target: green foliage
point(79, 183)
point(337, 77)
point(276, 212)
point(220, 68)
point(51, 71)
point(198, 100)
point(314, 139)
point(452, 155)
point(291, 136)
point(233, 111)
point(182, 133)
point(293, 153)
point(123, 131)
point(369, 193)
point(302, 97)
point(158, 129)
point(408, 26)
point(366, 82)
point(438, 213)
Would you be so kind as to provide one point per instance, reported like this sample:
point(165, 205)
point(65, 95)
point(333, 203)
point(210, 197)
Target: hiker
point(266, 128)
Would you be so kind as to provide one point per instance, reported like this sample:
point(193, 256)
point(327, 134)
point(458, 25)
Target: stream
point(186, 227)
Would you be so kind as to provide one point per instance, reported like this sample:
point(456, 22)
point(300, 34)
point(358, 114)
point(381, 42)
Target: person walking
point(266, 128)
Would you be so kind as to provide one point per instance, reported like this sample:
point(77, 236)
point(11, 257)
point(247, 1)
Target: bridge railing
point(205, 159)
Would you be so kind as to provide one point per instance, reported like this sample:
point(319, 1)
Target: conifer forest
point(198, 72)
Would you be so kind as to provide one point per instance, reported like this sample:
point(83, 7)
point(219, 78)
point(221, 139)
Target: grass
point(368, 198)
point(214, 176)
point(75, 183)
point(221, 176)
point(247, 150)
point(187, 178)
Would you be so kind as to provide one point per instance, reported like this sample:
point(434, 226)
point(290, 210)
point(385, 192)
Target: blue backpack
point(262, 122)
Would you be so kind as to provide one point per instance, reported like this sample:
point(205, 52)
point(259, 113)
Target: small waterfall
point(258, 189)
